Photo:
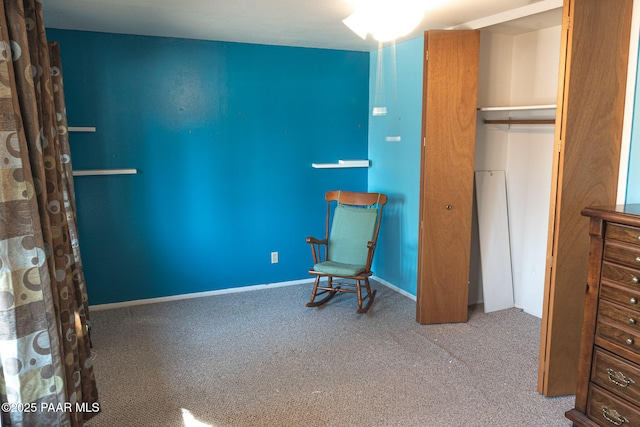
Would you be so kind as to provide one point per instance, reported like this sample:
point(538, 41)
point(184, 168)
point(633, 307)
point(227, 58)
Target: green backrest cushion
point(351, 230)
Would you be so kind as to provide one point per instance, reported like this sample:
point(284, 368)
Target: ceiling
point(304, 23)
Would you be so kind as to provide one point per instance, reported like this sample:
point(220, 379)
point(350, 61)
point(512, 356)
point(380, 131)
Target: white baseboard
point(197, 295)
point(123, 304)
point(394, 288)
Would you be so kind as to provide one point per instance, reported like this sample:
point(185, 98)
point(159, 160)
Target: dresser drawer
point(619, 316)
point(616, 375)
point(620, 294)
point(621, 337)
point(608, 410)
point(622, 253)
point(620, 274)
point(623, 233)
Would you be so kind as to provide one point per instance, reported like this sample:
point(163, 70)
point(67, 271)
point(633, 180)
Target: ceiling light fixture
point(385, 20)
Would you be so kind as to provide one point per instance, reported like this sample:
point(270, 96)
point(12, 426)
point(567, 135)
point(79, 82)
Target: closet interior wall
point(519, 68)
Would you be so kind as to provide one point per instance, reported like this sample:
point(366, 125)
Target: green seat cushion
point(338, 269)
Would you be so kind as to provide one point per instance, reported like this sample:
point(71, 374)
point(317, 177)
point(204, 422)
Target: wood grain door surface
point(588, 141)
point(450, 94)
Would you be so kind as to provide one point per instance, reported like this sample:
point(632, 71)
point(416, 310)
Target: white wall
point(536, 58)
point(521, 70)
point(494, 89)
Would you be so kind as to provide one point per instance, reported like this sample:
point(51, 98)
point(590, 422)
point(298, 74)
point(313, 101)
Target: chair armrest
point(314, 241)
point(316, 244)
point(372, 248)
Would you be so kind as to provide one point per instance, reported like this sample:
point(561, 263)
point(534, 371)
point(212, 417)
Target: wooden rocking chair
point(347, 250)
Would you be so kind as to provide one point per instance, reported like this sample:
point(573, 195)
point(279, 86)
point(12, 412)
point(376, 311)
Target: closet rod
point(521, 122)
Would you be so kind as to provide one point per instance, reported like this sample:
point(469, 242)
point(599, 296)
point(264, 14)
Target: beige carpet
point(261, 358)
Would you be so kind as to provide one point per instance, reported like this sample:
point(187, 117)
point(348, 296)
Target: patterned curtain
point(46, 373)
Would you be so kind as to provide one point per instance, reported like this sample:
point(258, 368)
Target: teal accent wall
point(396, 83)
point(223, 136)
point(633, 177)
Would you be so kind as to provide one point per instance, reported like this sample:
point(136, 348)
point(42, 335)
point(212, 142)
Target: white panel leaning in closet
point(495, 249)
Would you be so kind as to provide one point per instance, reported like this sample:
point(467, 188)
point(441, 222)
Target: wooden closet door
point(450, 93)
point(588, 138)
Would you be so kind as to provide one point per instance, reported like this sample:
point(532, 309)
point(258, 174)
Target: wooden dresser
point(608, 387)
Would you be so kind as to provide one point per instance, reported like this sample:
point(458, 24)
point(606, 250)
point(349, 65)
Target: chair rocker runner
point(347, 250)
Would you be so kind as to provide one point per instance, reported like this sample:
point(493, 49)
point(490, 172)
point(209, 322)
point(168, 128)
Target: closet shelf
point(521, 122)
point(522, 109)
point(519, 107)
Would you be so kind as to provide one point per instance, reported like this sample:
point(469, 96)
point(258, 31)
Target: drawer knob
point(632, 321)
point(635, 280)
point(613, 416)
point(629, 341)
point(449, 207)
point(618, 378)
point(632, 300)
point(638, 259)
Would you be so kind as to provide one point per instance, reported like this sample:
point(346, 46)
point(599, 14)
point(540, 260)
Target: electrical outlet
point(274, 257)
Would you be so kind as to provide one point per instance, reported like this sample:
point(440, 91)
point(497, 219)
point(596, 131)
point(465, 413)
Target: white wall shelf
point(94, 172)
point(81, 129)
point(343, 164)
